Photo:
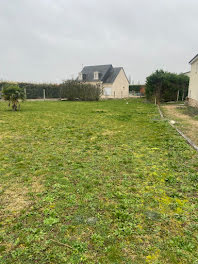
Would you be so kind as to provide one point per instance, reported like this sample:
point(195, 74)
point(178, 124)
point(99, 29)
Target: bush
point(164, 86)
point(13, 93)
point(74, 90)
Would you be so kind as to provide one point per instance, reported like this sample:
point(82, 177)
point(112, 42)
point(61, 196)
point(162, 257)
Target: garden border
point(188, 140)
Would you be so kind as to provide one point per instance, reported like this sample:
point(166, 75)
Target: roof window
point(96, 75)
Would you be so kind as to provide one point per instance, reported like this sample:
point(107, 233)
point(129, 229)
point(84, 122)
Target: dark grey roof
point(193, 59)
point(107, 74)
point(102, 69)
point(113, 74)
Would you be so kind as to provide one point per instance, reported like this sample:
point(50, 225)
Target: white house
point(193, 86)
point(113, 81)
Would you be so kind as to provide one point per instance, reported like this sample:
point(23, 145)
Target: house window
point(80, 76)
point(96, 75)
point(107, 91)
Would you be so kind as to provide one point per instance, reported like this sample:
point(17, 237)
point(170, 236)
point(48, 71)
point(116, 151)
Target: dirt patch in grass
point(173, 111)
point(37, 186)
point(187, 124)
point(108, 133)
point(16, 198)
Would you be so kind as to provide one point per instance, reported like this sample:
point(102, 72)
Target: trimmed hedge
point(74, 90)
point(35, 91)
point(71, 90)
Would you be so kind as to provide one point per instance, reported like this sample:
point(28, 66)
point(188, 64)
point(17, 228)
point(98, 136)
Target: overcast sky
point(50, 40)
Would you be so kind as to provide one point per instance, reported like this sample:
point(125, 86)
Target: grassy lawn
point(95, 182)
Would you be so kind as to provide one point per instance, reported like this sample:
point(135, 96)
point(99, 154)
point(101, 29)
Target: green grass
point(95, 182)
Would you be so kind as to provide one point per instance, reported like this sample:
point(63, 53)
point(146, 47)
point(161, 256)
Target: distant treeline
point(72, 90)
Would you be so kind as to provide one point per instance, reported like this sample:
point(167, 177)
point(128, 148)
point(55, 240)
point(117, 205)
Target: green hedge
point(71, 90)
point(35, 91)
point(164, 86)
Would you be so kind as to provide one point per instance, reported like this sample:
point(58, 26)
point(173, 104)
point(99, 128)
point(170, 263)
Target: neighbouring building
point(137, 89)
point(193, 85)
point(113, 81)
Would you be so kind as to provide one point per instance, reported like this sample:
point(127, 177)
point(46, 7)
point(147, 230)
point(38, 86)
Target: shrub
point(165, 86)
point(74, 90)
point(13, 93)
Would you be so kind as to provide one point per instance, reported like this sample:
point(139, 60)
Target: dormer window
point(80, 76)
point(96, 75)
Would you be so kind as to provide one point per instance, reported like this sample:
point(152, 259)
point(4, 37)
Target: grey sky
point(49, 40)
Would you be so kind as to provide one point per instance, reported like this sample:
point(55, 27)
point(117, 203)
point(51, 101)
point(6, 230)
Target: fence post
point(44, 94)
point(60, 92)
point(25, 92)
point(178, 96)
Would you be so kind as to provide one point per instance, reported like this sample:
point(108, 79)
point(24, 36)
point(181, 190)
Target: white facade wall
point(193, 86)
point(119, 88)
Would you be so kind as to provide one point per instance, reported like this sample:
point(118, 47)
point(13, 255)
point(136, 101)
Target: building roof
point(113, 74)
point(194, 59)
point(107, 74)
